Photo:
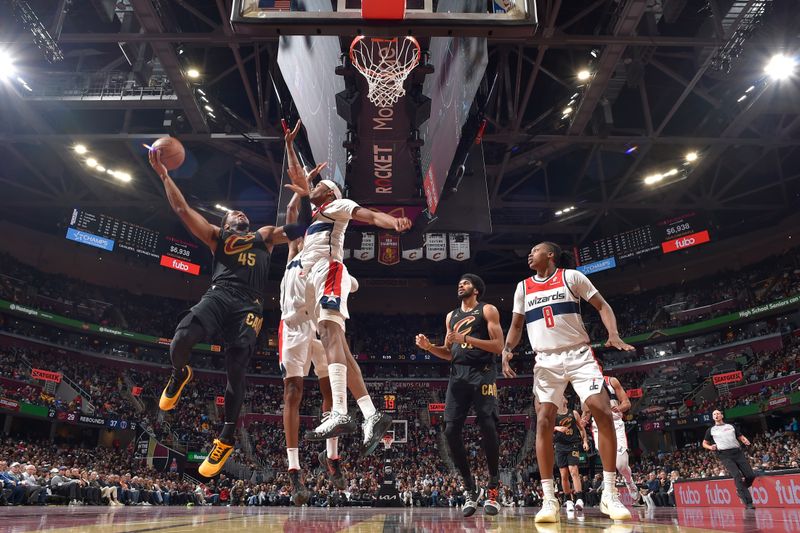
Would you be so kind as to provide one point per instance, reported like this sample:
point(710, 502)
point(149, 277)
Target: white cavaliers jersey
point(552, 311)
point(324, 238)
point(292, 289)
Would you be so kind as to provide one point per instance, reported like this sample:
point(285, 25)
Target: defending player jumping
point(233, 304)
point(549, 304)
point(327, 287)
point(473, 338)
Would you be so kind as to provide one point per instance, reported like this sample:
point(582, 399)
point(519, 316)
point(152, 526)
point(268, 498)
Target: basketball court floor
point(368, 520)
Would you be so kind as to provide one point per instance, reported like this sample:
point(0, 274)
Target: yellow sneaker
point(216, 459)
point(172, 392)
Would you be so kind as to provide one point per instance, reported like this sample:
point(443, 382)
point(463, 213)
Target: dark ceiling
point(668, 77)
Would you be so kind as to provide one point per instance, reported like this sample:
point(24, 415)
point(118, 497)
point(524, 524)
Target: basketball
point(172, 152)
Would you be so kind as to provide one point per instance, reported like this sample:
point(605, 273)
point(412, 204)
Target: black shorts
point(236, 315)
point(567, 456)
point(471, 386)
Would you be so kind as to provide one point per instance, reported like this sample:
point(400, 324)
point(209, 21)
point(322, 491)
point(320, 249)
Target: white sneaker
point(579, 505)
point(335, 425)
point(374, 428)
point(549, 512)
point(611, 506)
point(570, 506)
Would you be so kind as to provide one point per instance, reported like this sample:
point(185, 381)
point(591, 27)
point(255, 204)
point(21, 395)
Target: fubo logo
point(788, 494)
point(689, 495)
point(718, 495)
point(687, 241)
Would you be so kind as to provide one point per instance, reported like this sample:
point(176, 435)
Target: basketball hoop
point(387, 440)
point(386, 63)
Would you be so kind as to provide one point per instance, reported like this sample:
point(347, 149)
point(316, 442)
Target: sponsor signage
point(179, 265)
point(687, 241)
point(45, 375)
point(768, 491)
point(634, 393)
point(90, 239)
point(597, 266)
point(728, 377)
point(9, 405)
point(774, 403)
point(436, 408)
point(136, 391)
point(196, 457)
point(220, 400)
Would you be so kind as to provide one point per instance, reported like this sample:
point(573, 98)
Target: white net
point(385, 63)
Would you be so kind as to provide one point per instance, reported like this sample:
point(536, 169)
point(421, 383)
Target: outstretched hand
point(615, 342)
point(291, 134)
point(402, 224)
point(154, 157)
point(300, 184)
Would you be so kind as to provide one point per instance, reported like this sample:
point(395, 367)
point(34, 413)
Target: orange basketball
point(172, 152)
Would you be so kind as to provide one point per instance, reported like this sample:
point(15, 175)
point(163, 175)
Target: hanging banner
point(436, 246)
point(728, 377)
point(346, 253)
point(136, 391)
point(388, 249)
point(45, 375)
point(367, 250)
point(220, 400)
point(459, 246)
point(413, 254)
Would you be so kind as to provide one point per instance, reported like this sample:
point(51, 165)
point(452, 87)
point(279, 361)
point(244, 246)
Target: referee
point(724, 439)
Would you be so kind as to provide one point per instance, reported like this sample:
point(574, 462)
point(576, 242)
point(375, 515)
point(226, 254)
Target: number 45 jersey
point(241, 262)
point(552, 309)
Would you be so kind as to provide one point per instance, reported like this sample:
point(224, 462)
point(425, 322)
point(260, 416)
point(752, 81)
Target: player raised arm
point(194, 221)
point(584, 436)
point(492, 345)
point(299, 185)
point(622, 396)
point(382, 220)
point(442, 352)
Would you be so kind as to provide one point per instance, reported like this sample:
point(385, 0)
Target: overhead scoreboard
point(668, 235)
point(110, 233)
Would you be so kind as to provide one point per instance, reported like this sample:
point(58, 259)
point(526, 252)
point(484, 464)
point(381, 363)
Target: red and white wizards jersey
point(551, 308)
point(324, 238)
point(293, 289)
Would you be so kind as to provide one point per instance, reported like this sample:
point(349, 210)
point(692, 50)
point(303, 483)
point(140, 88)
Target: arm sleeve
point(579, 284)
point(519, 299)
point(708, 437)
point(738, 431)
point(298, 229)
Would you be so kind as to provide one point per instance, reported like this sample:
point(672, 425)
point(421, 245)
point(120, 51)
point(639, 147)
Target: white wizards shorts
point(622, 437)
point(298, 345)
point(328, 284)
point(553, 371)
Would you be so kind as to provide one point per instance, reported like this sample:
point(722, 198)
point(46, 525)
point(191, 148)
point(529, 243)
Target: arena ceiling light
point(584, 75)
point(565, 210)
point(193, 73)
point(691, 157)
point(222, 208)
point(80, 149)
point(780, 67)
point(7, 68)
point(91, 162)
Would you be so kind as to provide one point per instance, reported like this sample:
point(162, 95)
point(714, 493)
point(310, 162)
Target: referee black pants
point(735, 462)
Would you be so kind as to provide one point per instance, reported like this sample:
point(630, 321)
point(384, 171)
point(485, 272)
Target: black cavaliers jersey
point(241, 261)
point(573, 435)
point(474, 324)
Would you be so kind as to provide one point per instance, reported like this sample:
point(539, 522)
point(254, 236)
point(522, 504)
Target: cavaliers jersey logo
point(239, 243)
point(565, 421)
point(463, 325)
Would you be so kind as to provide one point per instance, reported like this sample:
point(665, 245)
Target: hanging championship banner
point(367, 250)
point(413, 254)
point(459, 246)
point(388, 249)
point(436, 246)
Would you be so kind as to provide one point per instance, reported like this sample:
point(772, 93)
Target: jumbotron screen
point(668, 235)
point(110, 233)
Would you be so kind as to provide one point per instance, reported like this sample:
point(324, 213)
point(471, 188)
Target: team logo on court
point(238, 243)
